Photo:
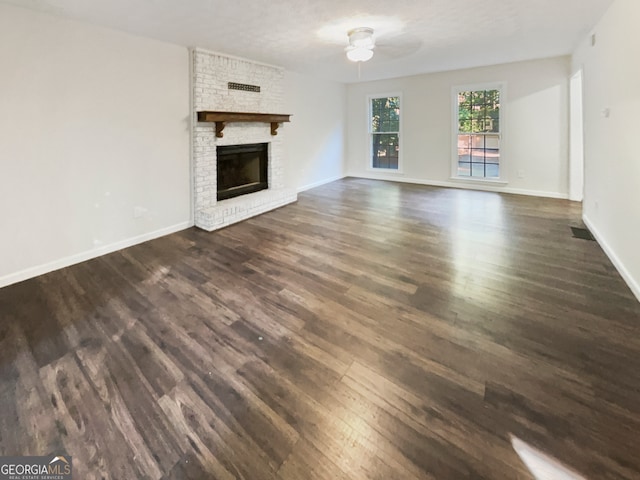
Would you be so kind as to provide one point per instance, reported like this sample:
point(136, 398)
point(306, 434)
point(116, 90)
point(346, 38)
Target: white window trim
point(502, 88)
point(369, 151)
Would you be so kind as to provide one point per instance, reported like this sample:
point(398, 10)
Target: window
point(384, 130)
point(477, 125)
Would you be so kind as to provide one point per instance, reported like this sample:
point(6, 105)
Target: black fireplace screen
point(241, 169)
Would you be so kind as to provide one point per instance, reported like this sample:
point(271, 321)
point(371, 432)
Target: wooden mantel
point(222, 118)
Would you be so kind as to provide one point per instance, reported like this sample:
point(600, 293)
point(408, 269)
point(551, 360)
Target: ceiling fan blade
point(398, 46)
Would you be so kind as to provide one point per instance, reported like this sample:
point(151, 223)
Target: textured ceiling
point(308, 36)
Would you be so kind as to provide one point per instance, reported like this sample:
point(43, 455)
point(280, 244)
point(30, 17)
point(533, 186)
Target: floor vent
point(582, 233)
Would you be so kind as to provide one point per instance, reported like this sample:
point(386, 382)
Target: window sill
point(385, 170)
point(480, 181)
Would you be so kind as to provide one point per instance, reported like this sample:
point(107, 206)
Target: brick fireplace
point(226, 84)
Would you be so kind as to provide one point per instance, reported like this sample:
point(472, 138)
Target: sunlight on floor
point(479, 236)
point(542, 466)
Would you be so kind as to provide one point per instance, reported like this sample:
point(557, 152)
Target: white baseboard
point(463, 185)
point(633, 284)
point(320, 183)
point(88, 255)
point(533, 193)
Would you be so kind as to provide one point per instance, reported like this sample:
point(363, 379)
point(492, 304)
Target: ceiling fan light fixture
point(361, 44)
point(359, 54)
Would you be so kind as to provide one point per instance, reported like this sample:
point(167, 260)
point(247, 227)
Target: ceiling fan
point(391, 45)
point(362, 44)
point(362, 38)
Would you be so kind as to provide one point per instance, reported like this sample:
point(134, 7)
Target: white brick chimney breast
point(211, 75)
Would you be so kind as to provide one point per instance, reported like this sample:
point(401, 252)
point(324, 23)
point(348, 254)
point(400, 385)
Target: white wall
point(535, 140)
point(612, 160)
point(316, 137)
point(92, 124)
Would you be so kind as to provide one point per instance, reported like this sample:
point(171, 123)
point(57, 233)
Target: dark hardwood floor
point(373, 330)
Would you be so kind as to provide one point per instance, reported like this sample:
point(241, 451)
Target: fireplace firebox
point(241, 169)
